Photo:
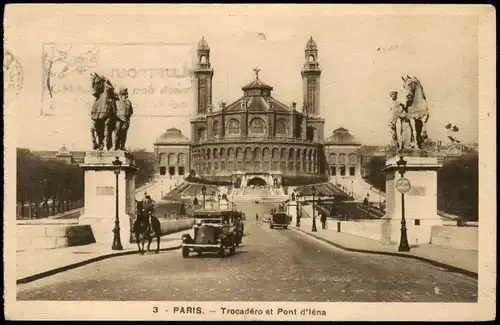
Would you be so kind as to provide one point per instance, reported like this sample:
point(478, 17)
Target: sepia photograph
point(249, 162)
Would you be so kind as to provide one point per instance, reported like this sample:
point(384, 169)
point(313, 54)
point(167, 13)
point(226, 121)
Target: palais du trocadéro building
point(257, 139)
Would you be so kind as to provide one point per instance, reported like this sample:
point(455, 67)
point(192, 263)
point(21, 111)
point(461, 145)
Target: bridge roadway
point(271, 265)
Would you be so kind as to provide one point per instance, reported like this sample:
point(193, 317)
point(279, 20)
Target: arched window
point(257, 126)
point(332, 159)
point(233, 126)
point(266, 153)
point(281, 127)
point(223, 153)
point(290, 153)
point(248, 154)
point(182, 159)
point(216, 129)
point(311, 58)
point(172, 159)
point(203, 59)
point(230, 153)
point(257, 154)
point(202, 134)
point(342, 159)
point(163, 159)
point(276, 153)
point(239, 153)
point(215, 154)
point(352, 159)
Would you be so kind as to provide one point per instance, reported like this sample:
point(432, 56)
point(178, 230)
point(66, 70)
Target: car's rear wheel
point(271, 226)
point(185, 252)
point(200, 253)
point(285, 227)
point(232, 250)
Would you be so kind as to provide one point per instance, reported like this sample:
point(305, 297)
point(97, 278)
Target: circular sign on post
point(403, 185)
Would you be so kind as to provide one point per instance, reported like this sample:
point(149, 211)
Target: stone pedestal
point(100, 195)
point(420, 200)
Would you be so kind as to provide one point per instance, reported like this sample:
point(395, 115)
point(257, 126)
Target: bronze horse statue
point(143, 230)
point(103, 112)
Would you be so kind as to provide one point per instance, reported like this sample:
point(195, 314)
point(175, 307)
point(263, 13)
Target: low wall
point(456, 237)
point(171, 226)
point(46, 235)
point(367, 228)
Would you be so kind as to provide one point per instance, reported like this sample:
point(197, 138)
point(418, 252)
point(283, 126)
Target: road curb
point(61, 269)
point(450, 268)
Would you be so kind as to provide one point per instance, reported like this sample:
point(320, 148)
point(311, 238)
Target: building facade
point(173, 158)
point(343, 154)
point(257, 139)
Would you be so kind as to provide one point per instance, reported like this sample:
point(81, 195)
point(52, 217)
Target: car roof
point(211, 213)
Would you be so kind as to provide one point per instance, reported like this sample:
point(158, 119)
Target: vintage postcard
point(249, 162)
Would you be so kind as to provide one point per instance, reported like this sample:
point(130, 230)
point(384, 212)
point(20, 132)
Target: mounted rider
point(148, 207)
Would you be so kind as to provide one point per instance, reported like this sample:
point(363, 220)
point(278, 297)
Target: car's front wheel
point(222, 251)
point(185, 252)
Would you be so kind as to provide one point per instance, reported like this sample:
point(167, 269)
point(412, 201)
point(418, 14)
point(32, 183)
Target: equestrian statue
point(412, 114)
point(110, 114)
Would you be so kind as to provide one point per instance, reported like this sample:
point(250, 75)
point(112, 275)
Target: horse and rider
point(413, 111)
point(111, 113)
point(146, 226)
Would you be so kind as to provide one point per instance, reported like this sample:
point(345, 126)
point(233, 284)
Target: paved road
point(272, 265)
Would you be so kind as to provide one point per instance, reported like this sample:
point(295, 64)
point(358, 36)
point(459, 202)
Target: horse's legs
point(138, 241)
point(158, 242)
point(413, 132)
point(399, 133)
point(150, 239)
point(108, 130)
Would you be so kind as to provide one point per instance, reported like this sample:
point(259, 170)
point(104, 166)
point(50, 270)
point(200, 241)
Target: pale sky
point(362, 57)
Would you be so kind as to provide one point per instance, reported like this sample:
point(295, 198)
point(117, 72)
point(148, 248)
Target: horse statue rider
point(110, 114)
point(148, 208)
point(103, 111)
point(414, 113)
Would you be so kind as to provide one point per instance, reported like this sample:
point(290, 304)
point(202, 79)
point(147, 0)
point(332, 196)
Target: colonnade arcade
point(173, 164)
point(342, 164)
point(208, 160)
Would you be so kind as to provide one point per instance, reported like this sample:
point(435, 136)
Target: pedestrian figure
point(256, 217)
point(323, 221)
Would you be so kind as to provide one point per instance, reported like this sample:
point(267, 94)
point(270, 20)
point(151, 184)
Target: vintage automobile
point(214, 231)
point(279, 219)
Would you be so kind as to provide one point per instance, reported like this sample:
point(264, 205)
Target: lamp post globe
point(314, 229)
point(117, 244)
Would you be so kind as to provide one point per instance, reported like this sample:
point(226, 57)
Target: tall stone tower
point(203, 78)
point(311, 79)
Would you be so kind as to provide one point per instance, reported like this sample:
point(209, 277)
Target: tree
point(146, 167)
point(39, 181)
point(458, 186)
point(375, 176)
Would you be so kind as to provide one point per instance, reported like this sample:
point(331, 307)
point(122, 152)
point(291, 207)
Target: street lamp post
point(313, 189)
point(117, 243)
point(204, 192)
point(403, 244)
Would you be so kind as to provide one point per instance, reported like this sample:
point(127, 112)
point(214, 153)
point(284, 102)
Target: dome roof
point(342, 136)
point(311, 44)
point(63, 151)
point(256, 83)
point(203, 44)
point(172, 135)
